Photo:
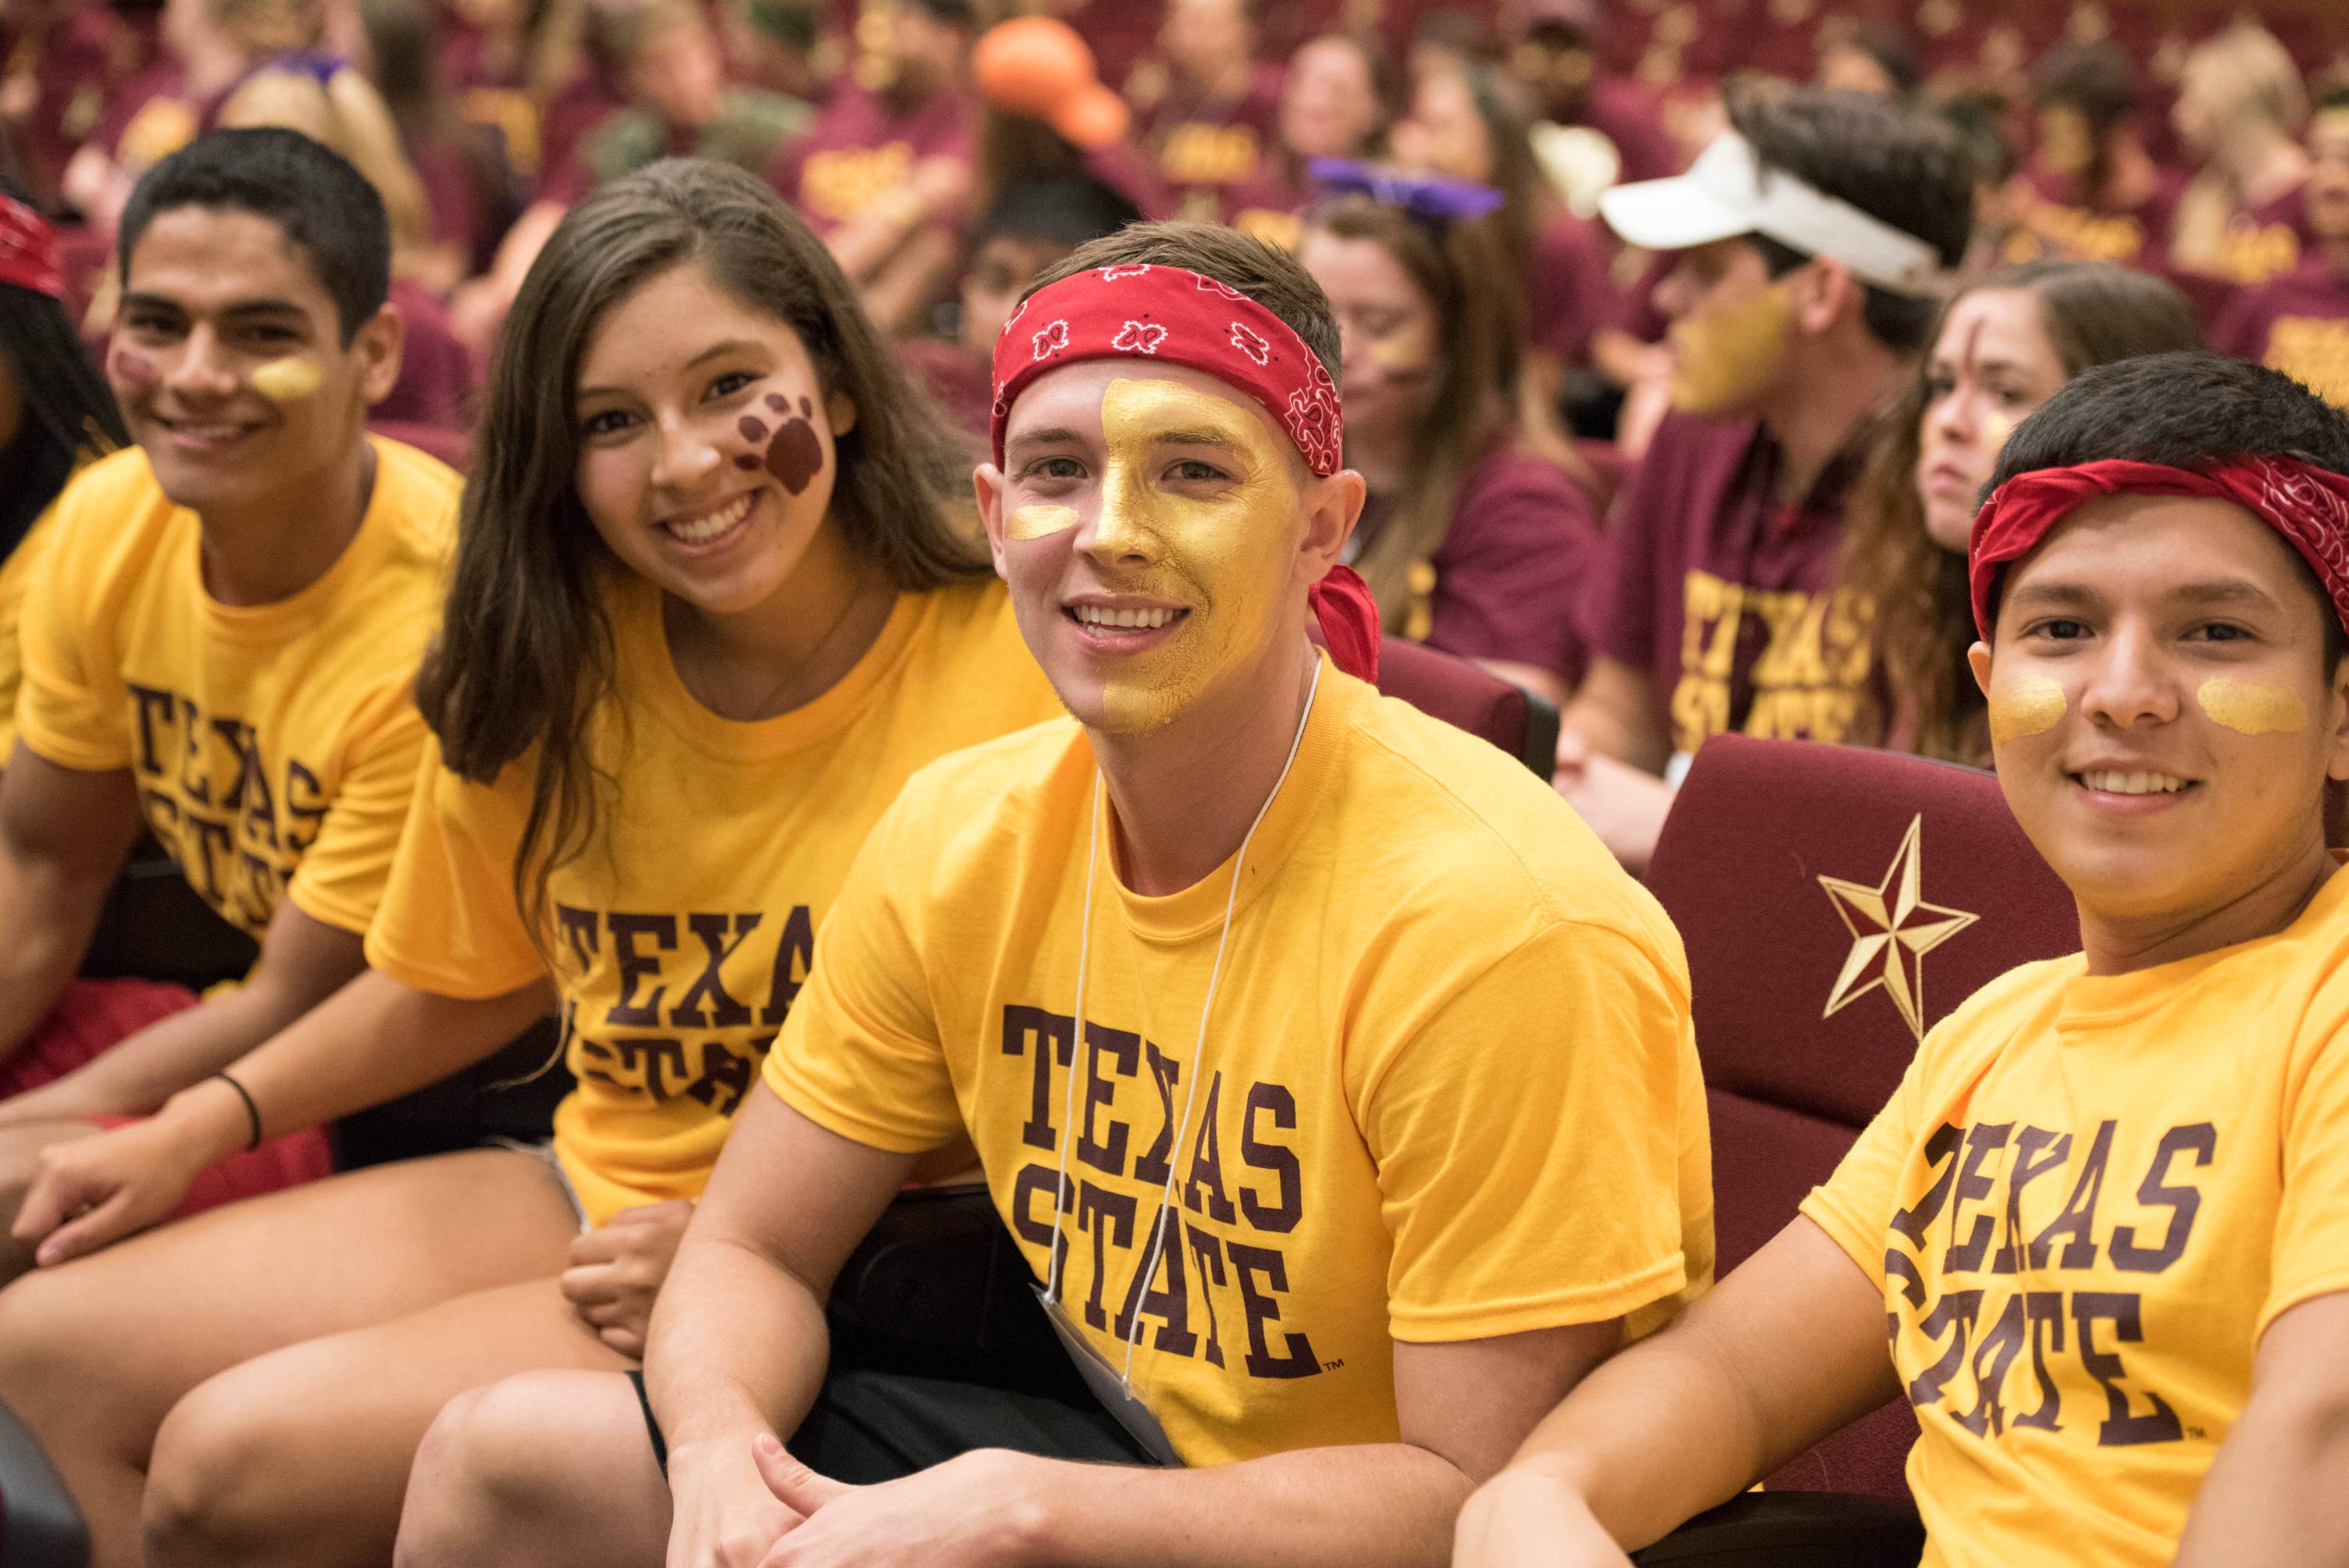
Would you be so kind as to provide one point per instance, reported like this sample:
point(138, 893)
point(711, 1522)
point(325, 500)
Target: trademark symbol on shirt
point(1332, 1366)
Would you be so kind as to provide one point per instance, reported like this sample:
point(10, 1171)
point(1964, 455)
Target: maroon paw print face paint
point(795, 456)
point(131, 370)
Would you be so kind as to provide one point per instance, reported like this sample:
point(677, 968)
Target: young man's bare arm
point(303, 961)
point(1784, 1351)
point(1614, 713)
point(2275, 1493)
point(64, 833)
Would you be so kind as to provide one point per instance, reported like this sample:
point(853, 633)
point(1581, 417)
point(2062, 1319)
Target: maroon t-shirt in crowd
point(73, 69)
point(1725, 598)
point(1567, 296)
point(436, 373)
point(963, 388)
point(2057, 221)
point(860, 149)
point(2298, 324)
point(1511, 567)
point(1207, 151)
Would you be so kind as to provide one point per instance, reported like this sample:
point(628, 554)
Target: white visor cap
point(1726, 194)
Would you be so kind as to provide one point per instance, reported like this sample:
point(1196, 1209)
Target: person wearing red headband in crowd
point(1226, 976)
point(2105, 1215)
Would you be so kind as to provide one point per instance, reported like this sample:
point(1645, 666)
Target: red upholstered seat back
point(1782, 863)
point(1466, 695)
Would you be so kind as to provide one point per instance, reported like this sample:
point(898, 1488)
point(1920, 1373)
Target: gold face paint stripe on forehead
point(2253, 708)
point(1038, 521)
point(2025, 706)
point(286, 380)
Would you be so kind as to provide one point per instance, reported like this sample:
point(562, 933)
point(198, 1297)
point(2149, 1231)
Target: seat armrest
point(1796, 1529)
point(41, 1528)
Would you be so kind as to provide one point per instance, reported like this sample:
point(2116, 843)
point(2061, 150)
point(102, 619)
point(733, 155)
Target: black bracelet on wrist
point(252, 1111)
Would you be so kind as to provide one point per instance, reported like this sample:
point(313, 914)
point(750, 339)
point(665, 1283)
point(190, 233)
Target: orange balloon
point(1093, 119)
point(1032, 65)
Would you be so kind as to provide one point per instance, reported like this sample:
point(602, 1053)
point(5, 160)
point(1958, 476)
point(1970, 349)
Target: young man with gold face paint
point(2106, 1214)
point(1336, 1083)
point(221, 644)
point(1811, 240)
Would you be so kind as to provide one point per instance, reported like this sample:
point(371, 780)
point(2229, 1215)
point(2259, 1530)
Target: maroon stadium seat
point(454, 448)
point(1782, 863)
point(1462, 692)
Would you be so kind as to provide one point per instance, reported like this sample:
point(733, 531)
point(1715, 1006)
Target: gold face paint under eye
point(1727, 354)
point(1997, 426)
point(286, 380)
point(2253, 708)
point(1038, 521)
point(2024, 706)
point(1219, 555)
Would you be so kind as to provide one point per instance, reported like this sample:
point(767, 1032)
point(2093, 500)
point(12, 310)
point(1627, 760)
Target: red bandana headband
point(2306, 504)
point(29, 257)
point(1173, 317)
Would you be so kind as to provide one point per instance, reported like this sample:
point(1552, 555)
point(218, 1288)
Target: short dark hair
point(2336, 98)
point(2183, 410)
point(1266, 273)
point(1061, 210)
point(2093, 78)
point(324, 205)
point(1893, 161)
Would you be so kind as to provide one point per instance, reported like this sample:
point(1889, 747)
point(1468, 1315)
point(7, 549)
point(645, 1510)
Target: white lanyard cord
point(1198, 1055)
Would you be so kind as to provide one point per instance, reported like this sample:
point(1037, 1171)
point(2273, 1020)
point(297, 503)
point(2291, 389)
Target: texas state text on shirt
point(2086, 1202)
point(1448, 1089)
point(273, 746)
point(1726, 599)
point(678, 937)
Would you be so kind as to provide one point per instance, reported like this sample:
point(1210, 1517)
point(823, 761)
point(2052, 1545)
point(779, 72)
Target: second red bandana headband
point(28, 251)
point(2306, 504)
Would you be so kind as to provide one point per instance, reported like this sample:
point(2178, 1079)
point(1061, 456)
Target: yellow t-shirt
point(2086, 1200)
point(274, 746)
point(1451, 1089)
point(17, 575)
point(680, 937)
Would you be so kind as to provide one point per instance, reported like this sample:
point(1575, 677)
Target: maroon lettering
point(652, 1059)
point(306, 807)
point(1172, 1306)
point(706, 1004)
point(1974, 1184)
point(1208, 1253)
point(2077, 1222)
point(794, 955)
point(1262, 1308)
point(1105, 1153)
point(1155, 1164)
point(2036, 1153)
point(579, 927)
point(151, 706)
point(725, 1080)
point(1941, 1150)
point(1954, 1316)
point(2201, 1140)
point(1032, 1210)
point(1108, 1218)
point(2044, 1311)
point(2122, 1426)
point(1280, 1215)
point(637, 966)
point(1056, 1034)
point(1203, 1187)
point(1994, 1352)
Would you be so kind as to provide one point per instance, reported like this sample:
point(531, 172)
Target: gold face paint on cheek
point(1038, 521)
point(1218, 554)
point(2253, 708)
point(1725, 356)
point(287, 381)
point(2024, 706)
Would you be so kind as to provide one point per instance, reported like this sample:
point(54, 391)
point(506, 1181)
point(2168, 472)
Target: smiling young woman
point(716, 595)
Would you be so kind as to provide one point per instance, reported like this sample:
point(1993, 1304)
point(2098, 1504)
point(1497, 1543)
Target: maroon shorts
point(94, 1015)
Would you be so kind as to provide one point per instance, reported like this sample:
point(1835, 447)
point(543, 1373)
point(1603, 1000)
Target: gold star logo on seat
point(1892, 928)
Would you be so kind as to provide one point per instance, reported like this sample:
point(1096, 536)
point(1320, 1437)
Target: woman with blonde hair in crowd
point(718, 593)
point(2006, 344)
point(2240, 106)
point(1473, 544)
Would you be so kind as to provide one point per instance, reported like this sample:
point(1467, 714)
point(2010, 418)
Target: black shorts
point(869, 1425)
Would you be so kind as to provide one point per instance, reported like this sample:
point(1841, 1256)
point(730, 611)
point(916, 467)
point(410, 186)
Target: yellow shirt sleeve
point(448, 923)
point(15, 575)
point(340, 879)
point(66, 711)
point(2311, 1256)
point(1580, 1021)
point(1854, 1205)
point(859, 1054)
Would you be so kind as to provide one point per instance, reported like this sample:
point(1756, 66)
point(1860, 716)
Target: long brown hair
point(1463, 271)
point(2092, 313)
point(525, 653)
